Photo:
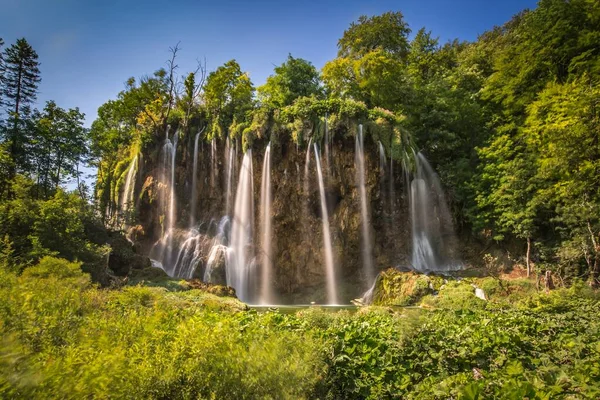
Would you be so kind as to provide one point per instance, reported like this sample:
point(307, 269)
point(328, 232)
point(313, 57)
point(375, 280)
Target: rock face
point(122, 257)
point(297, 241)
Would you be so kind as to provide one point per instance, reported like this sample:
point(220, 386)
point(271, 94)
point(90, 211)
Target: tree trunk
point(595, 272)
point(14, 148)
point(528, 257)
point(79, 188)
point(59, 165)
point(549, 283)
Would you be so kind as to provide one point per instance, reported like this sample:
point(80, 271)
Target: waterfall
point(194, 183)
point(229, 153)
point(327, 145)
point(162, 250)
point(213, 163)
point(329, 264)
point(240, 252)
point(172, 215)
point(382, 160)
point(218, 250)
point(266, 293)
point(364, 209)
point(306, 172)
point(128, 190)
point(189, 255)
point(432, 228)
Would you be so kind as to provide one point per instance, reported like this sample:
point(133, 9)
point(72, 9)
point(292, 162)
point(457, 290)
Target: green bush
point(76, 341)
point(62, 337)
point(51, 267)
point(455, 295)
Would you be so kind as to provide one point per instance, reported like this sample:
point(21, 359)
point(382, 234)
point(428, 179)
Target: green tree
point(228, 97)
point(61, 145)
point(371, 62)
point(377, 79)
point(422, 55)
point(292, 79)
point(505, 199)
point(521, 189)
point(1, 66)
point(387, 32)
point(19, 91)
point(563, 129)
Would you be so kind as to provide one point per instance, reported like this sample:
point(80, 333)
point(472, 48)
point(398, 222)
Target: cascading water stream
point(213, 164)
point(229, 152)
point(240, 253)
point(332, 297)
point(194, 200)
point(218, 250)
point(327, 146)
point(307, 171)
point(266, 292)
point(382, 160)
point(432, 227)
point(172, 201)
point(128, 191)
point(364, 209)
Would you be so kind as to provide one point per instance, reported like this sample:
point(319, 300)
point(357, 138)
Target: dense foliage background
point(510, 122)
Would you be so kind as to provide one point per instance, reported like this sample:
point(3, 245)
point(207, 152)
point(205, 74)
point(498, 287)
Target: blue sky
point(88, 48)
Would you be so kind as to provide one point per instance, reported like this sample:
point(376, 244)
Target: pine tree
point(19, 90)
point(1, 65)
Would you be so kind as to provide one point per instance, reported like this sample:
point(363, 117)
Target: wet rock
point(122, 257)
point(216, 266)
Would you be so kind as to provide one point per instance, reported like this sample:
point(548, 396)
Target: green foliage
point(62, 337)
point(454, 295)
point(292, 79)
point(61, 225)
point(61, 144)
point(228, 95)
point(75, 341)
point(51, 267)
point(483, 352)
point(394, 288)
point(387, 32)
point(537, 176)
point(18, 90)
point(377, 78)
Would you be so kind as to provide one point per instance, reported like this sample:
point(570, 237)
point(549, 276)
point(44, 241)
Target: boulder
point(122, 257)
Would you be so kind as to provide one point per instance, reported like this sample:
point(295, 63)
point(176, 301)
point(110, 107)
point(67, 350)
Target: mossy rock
point(396, 288)
point(217, 290)
point(123, 258)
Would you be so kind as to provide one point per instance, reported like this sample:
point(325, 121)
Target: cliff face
point(297, 240)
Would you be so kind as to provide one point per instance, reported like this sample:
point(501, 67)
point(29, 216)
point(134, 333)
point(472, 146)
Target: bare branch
point(172, 66)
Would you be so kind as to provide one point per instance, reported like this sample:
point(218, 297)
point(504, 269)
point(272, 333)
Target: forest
point(153, 282)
